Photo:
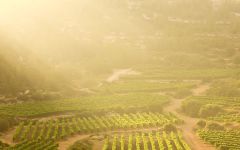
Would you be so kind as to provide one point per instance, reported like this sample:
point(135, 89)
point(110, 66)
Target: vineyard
point(155, 73)
point(3, 145)
point(227, 102)
point(210, 107)
point(145, 86)
point(65, 127)
point(109, 102)
point(146, 141)
point(226, 118)
point(120, 75)
point(224, 140)
point(35, 144)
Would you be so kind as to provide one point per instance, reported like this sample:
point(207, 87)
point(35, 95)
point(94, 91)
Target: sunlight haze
point(119, 74)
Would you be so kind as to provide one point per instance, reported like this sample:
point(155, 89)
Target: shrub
point(201, 124)
point(3, 145)
point(4, 124)
point(170, 128)
point(191, 107)
point(182, 93)
point(210, 110)
point(81, 145)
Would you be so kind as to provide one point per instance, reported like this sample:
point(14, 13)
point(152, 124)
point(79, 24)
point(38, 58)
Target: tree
point(191, 107)
point(170, 128)
point(201, 124)
point(4, 124)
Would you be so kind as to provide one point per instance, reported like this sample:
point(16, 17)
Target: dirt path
point(200, 89)
point(8, 136)
point(119, 73)
point(188, 133)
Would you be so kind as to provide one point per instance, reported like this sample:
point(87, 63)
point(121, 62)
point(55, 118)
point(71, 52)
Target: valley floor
point(187, 127)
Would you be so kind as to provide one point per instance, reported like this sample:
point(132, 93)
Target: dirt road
point(119, 73)
point(7, 136)
point(189, 135)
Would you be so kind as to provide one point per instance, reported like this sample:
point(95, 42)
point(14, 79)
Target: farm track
point(8, 136)
point(189, 123)
point(119, 73)
point(200, 89)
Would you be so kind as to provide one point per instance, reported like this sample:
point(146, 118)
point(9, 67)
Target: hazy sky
point(59, 24)
point(41, 22)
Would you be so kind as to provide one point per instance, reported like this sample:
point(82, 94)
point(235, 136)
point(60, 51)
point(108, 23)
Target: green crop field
point(153, 141)
point(190, 74)
point(120, 75)
point(147, 86)
point(221, 139)
point(65, 127)
point(90, 104)
point(37, 144)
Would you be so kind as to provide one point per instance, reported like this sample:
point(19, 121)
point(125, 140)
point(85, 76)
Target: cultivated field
point(152, 75)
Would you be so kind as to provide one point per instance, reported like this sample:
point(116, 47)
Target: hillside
point(120, 75)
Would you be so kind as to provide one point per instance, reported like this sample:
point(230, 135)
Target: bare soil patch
point(200, 89)
point(7, 137)
point(119, 73)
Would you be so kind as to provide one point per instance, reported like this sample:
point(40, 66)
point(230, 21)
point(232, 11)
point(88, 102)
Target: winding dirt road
point(187, 128)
